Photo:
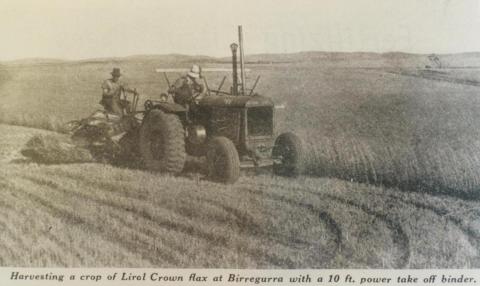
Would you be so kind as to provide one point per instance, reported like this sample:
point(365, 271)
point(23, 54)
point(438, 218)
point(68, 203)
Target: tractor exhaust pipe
point(242, 58)
point(234, 48)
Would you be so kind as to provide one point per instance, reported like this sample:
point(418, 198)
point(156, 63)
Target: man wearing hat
point(112, 89)
point(188, 87)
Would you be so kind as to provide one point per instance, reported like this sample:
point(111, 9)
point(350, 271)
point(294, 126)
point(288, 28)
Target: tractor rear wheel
point(223, 161)
point(289, 150)
point(162, 142)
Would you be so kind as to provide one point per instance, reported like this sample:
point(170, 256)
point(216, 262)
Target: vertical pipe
point(242, 58)
point(234, 69)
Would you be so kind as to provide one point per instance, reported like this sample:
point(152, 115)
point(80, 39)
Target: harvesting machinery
point(233, 130)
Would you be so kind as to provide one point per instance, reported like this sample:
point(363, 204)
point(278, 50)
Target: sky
point(81, 29)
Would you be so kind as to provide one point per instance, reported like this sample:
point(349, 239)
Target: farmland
point(392, 173)
point(100, 215)
point(359, 121)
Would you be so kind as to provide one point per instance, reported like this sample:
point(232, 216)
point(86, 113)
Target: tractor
point(232, 130)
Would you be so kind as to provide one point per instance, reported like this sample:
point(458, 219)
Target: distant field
point(97, 215)
point(359, 121)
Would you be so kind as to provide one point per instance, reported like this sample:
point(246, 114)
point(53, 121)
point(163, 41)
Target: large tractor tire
point(162, 142)
point(223, 161)
point(288, 149)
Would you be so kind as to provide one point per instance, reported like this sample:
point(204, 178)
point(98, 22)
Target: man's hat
point(194, 71)
point(116, 72)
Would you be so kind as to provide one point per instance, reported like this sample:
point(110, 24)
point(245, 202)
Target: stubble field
point(413, 137)
point(98, 215)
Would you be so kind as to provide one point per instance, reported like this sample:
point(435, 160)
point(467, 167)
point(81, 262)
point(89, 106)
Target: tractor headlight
point(196, 134)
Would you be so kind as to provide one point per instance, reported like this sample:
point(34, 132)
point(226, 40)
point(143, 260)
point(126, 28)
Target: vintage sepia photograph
point(335, 134)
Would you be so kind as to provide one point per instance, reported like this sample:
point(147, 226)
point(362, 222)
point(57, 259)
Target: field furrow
point(148, 214)
point(100, 215)
point(404, 222)
point(42, 197)
point(346, 230)
point(32, 233)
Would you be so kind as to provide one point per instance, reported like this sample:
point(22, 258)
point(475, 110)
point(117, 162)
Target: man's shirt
point(111, 88)
point(185, 87)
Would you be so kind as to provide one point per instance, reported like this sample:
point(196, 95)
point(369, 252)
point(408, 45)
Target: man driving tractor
point(188, 87)
point(112, 90)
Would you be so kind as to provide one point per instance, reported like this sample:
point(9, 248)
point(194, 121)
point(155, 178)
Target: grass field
point(359, 121)
point(100, 215)
point(415, 138)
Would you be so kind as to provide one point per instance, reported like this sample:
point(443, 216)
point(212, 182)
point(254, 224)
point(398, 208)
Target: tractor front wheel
point(289, 151)
point(162, 142)
point(223, 161)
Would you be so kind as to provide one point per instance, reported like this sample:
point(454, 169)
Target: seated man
point(188, 87)
point(112, 89)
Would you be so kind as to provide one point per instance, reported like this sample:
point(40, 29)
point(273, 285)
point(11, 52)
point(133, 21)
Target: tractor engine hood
point(235, 101)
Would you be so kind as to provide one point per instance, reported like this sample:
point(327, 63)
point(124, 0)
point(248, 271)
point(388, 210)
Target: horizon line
point(222, 57)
